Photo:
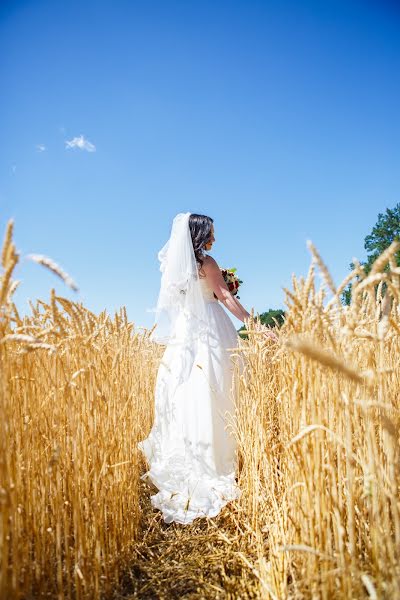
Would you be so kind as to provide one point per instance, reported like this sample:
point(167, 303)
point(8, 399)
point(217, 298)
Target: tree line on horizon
point(385, 231)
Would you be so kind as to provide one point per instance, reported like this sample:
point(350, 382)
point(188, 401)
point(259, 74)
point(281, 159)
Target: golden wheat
point(318, 431)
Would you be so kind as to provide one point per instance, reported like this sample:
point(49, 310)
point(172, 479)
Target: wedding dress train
point(191, 448)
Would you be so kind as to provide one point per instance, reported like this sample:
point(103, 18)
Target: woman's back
point(208, 293)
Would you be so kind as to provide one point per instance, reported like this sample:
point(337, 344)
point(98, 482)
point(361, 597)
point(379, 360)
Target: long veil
point(180, 313)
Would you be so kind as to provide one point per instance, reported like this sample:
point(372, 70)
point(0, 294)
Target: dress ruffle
point(183, 495)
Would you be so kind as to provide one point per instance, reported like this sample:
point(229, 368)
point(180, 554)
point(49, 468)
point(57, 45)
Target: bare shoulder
point(209, 262)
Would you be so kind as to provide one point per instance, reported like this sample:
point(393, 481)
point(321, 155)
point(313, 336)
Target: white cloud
point(40, 147)
point(80, 142)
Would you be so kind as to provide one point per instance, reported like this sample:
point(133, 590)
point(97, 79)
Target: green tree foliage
point(271, 318)
point(386, 230)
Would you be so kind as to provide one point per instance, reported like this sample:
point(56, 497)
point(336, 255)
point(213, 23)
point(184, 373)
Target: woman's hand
point(271, 334)
point(266, 331)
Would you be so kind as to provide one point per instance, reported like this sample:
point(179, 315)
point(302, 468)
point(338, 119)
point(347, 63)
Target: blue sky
point(279, 119)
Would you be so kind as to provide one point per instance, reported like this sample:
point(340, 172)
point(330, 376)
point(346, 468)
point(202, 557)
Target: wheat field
point(317, 425)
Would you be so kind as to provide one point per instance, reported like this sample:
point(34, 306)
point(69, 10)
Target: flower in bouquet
point(232, 281)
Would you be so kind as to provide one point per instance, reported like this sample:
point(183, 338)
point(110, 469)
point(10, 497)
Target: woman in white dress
point(191, 450)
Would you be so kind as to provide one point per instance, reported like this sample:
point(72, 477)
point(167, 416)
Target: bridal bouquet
point(232, 281)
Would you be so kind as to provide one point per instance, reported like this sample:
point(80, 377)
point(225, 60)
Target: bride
point(190, 451)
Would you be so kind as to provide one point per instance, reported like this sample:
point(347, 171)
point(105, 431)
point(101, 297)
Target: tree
point(386, 230)
point(271, 318)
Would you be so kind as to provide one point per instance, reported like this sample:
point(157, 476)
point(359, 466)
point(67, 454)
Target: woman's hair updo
point(200, 230)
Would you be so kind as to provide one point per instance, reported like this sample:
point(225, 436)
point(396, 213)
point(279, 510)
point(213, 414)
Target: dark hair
point(200, 230)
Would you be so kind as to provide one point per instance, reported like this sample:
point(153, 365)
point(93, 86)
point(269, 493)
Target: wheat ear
point(55, 268)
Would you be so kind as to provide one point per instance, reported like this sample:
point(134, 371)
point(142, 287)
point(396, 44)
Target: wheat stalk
point(324, 269)
point(7, 243)
point(54, 268)
point(324, 358)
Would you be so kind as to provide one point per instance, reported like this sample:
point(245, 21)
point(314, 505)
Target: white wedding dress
point(191, 448)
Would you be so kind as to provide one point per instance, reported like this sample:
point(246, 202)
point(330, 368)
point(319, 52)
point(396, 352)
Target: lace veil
point(180, 314)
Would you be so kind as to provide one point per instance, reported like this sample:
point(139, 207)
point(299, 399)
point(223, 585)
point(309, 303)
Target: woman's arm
point(221, 290)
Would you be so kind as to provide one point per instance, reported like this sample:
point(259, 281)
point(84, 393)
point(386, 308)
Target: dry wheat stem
point(324, 358)
point(54, 268)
